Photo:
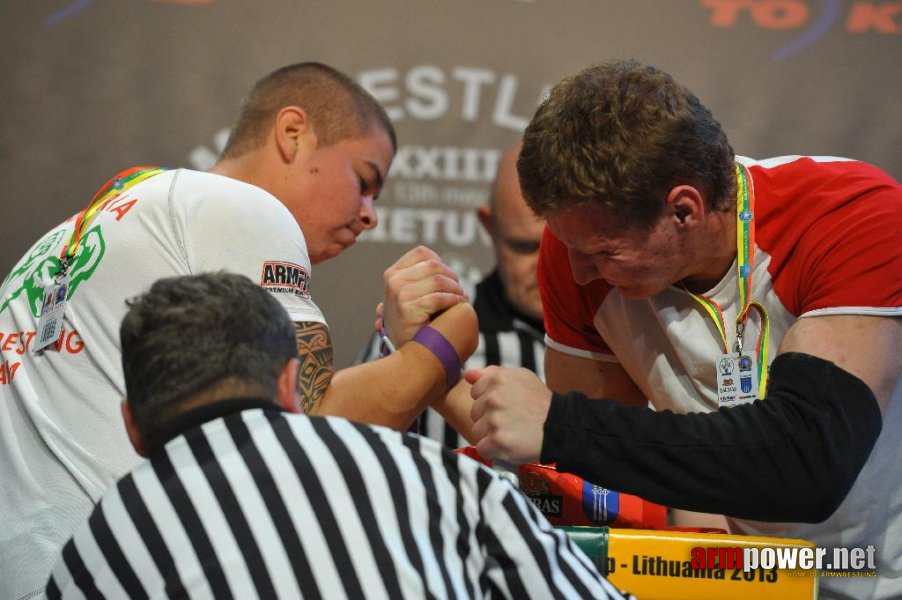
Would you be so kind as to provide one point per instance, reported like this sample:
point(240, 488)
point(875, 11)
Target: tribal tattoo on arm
point(315, 355)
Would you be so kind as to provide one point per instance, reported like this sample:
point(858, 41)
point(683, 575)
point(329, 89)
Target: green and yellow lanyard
point(745, 260)
point(112, 188)
point(49, 326)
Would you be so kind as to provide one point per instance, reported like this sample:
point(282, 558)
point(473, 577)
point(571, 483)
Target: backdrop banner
point(90, 87)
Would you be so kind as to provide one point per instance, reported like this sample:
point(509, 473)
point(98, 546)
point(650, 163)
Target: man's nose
point(586, 269)
point(368, 213)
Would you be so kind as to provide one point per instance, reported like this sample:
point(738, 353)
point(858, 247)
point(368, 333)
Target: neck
point(715, 254)
point(248, 167)
point(229, 168)
point(195, 415)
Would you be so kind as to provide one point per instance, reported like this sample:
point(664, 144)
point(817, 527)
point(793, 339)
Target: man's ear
point(132, 429)
point(485, 218)
point(287, 387)
point(294, 134)
point(687, 206)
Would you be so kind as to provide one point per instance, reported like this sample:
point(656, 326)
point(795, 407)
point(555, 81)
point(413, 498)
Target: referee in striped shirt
point(507, 301)
point(242, 497)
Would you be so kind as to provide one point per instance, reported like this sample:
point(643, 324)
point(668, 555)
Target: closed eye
point(376, 187)
point(522, 246)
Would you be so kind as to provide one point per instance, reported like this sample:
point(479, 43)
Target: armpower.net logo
point(795, 561)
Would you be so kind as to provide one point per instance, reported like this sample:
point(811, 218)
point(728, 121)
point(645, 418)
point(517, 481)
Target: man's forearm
point(394, 390)
point(455, 407)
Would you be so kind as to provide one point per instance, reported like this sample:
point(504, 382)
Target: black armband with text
point(792, 456)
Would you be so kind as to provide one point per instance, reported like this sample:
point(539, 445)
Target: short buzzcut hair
point(214, 335)
point(622, 134)
point(338, 107)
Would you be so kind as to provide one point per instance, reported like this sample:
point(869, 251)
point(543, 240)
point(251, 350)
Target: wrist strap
point(385, 346)
point(439, 345)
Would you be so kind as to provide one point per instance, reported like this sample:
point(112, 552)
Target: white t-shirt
point(62, 441)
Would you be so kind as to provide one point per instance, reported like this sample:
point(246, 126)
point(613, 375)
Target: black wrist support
point(790, 457)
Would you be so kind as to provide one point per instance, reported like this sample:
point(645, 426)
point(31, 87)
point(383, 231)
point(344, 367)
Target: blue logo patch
point(600, 505)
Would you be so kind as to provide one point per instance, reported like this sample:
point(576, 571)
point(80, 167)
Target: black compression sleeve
point(790, 457)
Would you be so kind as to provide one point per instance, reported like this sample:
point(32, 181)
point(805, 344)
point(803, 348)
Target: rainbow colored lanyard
point(745, 261)
point(112, 188)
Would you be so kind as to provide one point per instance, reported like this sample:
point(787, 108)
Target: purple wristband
point(439, 345)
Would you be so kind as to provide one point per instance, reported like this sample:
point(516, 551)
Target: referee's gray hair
point(201, 337)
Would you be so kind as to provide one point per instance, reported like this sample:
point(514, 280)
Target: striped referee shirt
point(258, 503)
point(507, 338)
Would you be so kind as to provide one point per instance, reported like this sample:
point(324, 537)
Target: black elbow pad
point(792, 456)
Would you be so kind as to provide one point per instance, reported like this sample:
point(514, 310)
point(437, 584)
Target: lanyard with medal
point(50, 323)
point(741, 374)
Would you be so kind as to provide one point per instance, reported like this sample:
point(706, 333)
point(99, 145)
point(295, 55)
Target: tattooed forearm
point(315, 354)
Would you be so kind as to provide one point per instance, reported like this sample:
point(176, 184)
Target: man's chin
point(634, 292)
point(528, 309)
point(345, 238)
point(325, 254)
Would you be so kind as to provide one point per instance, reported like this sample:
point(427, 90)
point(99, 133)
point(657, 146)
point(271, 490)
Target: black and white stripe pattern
point(262, 504)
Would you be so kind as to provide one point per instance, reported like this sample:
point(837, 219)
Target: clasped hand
point(509, 411)
point(418, 286)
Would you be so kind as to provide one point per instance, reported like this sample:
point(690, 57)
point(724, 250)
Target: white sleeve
point(240, 228)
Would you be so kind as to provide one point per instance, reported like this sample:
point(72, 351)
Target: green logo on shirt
point(43, 263)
